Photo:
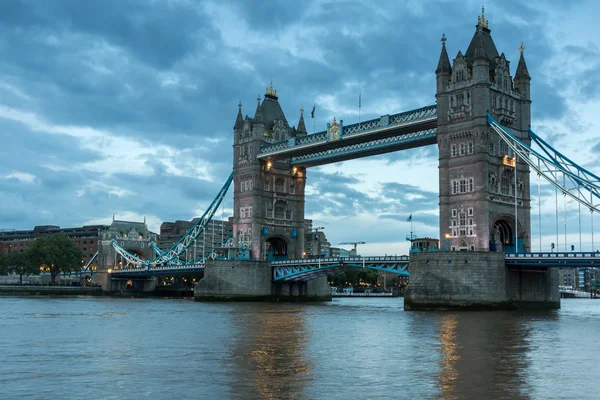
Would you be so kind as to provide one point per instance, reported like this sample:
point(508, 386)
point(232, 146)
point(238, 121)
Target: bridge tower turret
point(268, 216)
point(476, 168)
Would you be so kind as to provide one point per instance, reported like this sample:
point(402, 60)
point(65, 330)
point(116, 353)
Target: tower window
point(505, 185)
point(454, 213)
point(279, 212)
point(453, 150)
point(279, 185)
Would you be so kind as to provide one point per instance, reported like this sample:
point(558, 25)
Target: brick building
point(85, 237)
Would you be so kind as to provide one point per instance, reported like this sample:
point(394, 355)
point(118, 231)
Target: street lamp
point(447, 241)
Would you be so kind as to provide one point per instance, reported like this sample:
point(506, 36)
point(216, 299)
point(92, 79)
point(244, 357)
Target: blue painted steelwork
point(581, 185)
point(174, 265)
point(546, 260)
point(185, 242)
point(87, 266)
point(379, 128)
point(307, 269)
point(160, 270)
point(419, 138)
point(583, 175)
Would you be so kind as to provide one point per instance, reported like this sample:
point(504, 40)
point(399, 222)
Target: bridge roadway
point(307, 269)
point(385, 134)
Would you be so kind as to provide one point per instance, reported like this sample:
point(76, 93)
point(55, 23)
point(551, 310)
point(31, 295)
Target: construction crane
point(354, 244)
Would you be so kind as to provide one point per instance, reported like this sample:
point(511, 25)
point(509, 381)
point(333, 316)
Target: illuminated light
point(447, 235)
point(269, 164)
point(110, 271)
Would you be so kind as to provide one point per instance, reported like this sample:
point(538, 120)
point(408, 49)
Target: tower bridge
point(481, 124)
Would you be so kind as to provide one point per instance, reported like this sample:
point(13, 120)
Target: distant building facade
point(216, 232)
point(87, 238)
point(135, 237)
point(315, 241)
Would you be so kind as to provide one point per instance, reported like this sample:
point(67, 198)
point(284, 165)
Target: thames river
point(112, 348)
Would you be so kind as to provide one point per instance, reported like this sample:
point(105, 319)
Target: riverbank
point(38, 290)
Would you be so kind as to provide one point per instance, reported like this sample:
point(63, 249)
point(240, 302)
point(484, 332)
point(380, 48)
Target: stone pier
point(477, 281)
point(252, 281)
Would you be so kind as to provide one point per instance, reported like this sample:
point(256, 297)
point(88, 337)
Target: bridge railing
point(373, 125)
point(551, 255)
point(342, 260)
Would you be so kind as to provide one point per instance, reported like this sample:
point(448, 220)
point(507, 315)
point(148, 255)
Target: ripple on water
point(98, 348)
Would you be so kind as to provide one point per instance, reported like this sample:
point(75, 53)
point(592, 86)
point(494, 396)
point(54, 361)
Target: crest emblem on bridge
point(333, 131)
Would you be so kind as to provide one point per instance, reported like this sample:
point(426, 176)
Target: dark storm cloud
point(163, 73)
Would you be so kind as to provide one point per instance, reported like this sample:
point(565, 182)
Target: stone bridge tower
point(476, 168)
point(268, 216)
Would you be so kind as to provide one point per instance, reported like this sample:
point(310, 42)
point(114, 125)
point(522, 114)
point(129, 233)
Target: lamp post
point(447, 242)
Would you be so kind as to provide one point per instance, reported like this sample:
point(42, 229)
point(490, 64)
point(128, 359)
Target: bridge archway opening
point(276, 249)
point(122, 263)
point(504, 235)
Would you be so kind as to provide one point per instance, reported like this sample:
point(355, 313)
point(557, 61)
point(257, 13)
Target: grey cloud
point(55, 52)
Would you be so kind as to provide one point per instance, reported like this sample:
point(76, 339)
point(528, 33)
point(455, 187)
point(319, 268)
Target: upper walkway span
point(381, 135)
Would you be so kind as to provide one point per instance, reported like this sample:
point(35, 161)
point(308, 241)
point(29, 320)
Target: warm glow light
point(447, 235)
point(110, 270)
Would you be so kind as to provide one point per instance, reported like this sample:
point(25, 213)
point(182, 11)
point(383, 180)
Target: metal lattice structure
point(304, 270)
point(420, 119)
point(554, 259)
point(89, 264)
point(184, 243)
point(571, 179)
point(419, 138)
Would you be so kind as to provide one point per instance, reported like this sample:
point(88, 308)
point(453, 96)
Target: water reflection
point(268, 352)
point(484, 355)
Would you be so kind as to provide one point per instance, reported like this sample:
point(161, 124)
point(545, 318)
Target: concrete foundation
point(477, 281)
point(252, 281)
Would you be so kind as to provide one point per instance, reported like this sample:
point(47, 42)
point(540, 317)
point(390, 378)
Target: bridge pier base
point(477, 281)
point(114, 284)
point(253, 281)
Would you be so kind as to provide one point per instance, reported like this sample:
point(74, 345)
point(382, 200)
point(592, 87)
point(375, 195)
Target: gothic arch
point(277, 247)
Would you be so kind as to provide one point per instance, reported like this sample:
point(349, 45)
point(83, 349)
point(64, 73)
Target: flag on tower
point(312, 113)
point(409, 218)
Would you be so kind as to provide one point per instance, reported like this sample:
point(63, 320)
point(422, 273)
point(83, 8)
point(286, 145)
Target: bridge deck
point(385, 134)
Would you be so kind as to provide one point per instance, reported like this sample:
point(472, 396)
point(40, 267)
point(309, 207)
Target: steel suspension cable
point(516, 209)
point(565, 211)
point(557, 220)
point(540, 205)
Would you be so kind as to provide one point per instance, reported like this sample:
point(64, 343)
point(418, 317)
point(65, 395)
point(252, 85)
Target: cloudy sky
point(126, 107)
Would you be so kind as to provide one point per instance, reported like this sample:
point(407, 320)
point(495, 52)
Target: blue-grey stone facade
point(268, 215)
point(476, 168)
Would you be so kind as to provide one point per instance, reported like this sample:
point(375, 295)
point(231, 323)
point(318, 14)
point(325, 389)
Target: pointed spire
point(258, 113)
point(444, 63)
point(271, 92)
point(301, 126)
point(481, 21)
point(522, 71)
point(239, 121)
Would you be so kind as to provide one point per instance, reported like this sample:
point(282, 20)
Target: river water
point(110, 348)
